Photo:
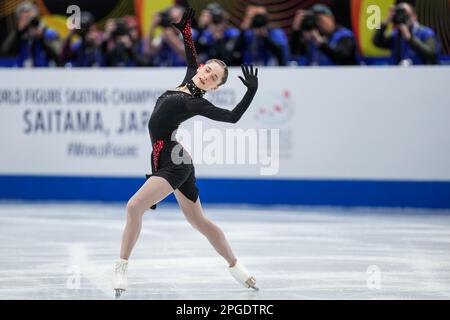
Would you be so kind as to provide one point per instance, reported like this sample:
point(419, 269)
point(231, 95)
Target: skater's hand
point(188, 15)
point(251, 77)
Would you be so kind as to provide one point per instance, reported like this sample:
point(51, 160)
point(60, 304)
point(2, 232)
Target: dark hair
point(225, 69)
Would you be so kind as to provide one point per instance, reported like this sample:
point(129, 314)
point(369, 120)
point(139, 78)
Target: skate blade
point(251, 282)
point(118, 293)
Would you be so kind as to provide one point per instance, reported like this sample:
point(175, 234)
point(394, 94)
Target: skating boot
point(120, 277)
point(241, 274)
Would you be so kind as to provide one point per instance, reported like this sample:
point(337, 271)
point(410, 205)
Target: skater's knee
point(133, 208)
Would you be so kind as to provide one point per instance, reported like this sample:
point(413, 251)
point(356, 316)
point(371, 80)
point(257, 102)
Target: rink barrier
point(347, 193)
point(369, 141)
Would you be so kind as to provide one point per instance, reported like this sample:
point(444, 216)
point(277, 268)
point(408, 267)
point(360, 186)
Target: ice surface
point(66, 251)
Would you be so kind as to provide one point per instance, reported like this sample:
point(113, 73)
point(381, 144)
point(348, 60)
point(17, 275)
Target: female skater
point(169, 174)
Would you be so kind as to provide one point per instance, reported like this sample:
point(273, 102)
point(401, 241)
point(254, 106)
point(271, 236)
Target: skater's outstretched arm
point(184, 26)
point(205, 108)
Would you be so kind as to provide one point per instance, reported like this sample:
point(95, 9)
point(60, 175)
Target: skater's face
point(209, 76)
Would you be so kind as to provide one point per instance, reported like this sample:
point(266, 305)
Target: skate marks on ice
point(98, 276)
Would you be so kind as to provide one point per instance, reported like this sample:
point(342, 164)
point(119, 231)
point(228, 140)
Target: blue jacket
point(402, 50)
point(208, 45)
point(167, 57)
point(86, 58)
point(33, 51)
point(315, 56)
point(256, 50)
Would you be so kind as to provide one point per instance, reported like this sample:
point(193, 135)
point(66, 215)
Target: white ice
point(66, 251)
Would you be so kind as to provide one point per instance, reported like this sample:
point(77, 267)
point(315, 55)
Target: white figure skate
point(241, 274)
point(120, 277)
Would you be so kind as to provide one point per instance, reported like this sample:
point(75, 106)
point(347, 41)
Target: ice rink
point(66, 251)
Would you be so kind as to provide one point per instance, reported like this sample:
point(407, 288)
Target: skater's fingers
point(243, 69)
point(191, 13)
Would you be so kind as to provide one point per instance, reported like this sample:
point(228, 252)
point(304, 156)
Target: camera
point(400, 16)
point(259, 21)
point(121, 28)
point(309, 21)
point(217, 17)
point(165, 18)
point(34, 23)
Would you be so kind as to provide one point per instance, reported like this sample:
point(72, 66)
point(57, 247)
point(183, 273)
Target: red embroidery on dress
point(187, 32)
point(187, 35)
point(157, 147)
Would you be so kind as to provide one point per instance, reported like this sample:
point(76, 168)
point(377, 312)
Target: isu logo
point(275, 108)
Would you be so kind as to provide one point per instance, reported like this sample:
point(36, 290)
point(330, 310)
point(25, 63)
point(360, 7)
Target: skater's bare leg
point(194, 214)
point(152, 191)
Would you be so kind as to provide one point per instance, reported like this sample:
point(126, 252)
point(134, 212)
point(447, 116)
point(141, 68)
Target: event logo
point(275, 109)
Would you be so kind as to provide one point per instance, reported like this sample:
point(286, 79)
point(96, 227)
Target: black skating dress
point(171, 109)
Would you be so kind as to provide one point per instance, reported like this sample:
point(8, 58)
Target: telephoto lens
point(400, 16)
point(217, 17)
point(34, 23)
point(309, 21)
point(121, 28)
point(259, 21)
point(165, 19)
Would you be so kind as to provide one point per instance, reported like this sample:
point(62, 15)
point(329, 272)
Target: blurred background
point(142, 27)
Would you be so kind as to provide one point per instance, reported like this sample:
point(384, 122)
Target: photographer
point(121, 47)
point(34, 44)
point(215, 38)
point(317, 40)
point(410, 42)
point(168, 48)
point(258, 43)
point(138, 46)
point(86, 51)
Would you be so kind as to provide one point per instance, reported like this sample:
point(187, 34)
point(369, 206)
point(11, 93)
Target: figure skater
point(171, 175)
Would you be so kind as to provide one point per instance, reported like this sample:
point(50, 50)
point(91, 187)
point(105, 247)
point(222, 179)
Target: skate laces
point(120, 267)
